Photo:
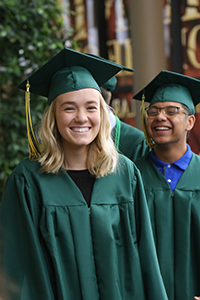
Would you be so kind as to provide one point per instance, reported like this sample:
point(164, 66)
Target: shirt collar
point(182, 162)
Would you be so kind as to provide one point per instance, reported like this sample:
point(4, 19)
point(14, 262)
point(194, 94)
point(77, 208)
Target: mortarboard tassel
point(148, 139)
point(34, 151)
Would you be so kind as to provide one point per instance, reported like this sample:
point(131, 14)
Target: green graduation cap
point(110, 84)
point(71, 70)
point(67, 71)
point(171, 86)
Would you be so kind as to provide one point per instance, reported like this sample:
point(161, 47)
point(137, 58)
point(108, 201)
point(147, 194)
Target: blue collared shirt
point(173, 171)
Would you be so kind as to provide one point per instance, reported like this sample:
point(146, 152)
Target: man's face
point(169, 129)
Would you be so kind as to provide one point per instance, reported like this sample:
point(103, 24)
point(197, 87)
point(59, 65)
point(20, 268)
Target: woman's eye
point(69, 108)
point(91, 108)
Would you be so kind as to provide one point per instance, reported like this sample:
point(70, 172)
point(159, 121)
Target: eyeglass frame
point(159, 109)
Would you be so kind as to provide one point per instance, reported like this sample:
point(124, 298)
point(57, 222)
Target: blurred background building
point(148, 36)
point(145, 35)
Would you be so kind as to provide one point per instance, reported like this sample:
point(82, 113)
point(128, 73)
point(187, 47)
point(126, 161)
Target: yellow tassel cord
point(148, 139)
point(34, 151)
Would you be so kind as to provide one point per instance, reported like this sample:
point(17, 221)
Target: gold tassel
point(34, 151)
point(148, 139)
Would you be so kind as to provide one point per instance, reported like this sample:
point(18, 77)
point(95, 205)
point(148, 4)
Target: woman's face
point(78, 117)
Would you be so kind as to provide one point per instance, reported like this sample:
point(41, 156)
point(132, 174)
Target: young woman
point(74, 221)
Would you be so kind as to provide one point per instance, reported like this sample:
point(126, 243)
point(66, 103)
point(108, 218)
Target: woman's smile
point(80, 129)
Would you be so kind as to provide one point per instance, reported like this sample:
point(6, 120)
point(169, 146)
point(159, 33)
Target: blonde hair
point(102, 155)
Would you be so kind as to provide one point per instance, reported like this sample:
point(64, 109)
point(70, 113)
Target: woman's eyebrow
point(92, 101)
point(68, 102)
point(75, 103)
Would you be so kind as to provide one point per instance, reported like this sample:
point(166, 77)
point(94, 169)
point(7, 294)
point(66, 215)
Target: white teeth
point(81, 129)
point(162, 128)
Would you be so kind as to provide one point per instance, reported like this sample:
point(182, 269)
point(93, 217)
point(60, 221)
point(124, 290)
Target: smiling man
point(171, 176)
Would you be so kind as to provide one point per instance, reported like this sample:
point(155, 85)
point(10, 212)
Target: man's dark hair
point(186, 109)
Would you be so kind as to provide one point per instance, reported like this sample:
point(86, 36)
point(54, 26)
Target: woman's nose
point(81, 116)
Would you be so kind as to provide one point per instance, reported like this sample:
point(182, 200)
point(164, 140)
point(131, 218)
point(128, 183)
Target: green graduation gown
point(132, 142)
point(54, 247)
point(175, 218)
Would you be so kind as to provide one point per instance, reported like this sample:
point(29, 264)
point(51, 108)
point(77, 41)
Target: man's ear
point(190, 122)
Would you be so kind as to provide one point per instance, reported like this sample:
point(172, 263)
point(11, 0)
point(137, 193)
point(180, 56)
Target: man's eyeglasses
point(169, 111)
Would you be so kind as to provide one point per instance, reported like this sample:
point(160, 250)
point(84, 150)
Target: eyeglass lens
point(168, 110)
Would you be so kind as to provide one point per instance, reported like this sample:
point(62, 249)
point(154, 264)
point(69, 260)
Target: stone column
point(147, 33)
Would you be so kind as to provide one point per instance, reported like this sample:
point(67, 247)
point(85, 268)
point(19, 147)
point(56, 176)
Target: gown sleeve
point(132, 142)
point(152, 279)
point(22, 264)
